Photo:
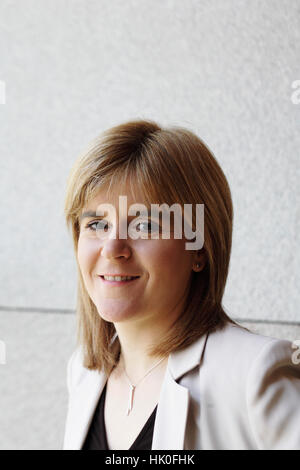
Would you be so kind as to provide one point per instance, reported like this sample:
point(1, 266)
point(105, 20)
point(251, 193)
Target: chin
point(115, 315)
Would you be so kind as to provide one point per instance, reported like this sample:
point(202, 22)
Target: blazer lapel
point(172, 410)
point(171, 415)
point(82, 406)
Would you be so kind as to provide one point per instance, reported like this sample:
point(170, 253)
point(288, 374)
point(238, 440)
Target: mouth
point(118, 280)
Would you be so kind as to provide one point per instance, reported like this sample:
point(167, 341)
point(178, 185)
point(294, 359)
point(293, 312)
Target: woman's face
point(163, 267)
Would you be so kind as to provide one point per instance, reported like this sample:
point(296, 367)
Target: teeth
point(118, 278)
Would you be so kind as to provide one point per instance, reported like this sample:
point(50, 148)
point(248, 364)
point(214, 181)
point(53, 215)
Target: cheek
point(169, 259)
point(86, 253)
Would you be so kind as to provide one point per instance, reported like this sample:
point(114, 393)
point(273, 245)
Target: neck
point(135, 343)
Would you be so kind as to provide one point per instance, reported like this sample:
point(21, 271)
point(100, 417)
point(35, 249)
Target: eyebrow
point(88, 214)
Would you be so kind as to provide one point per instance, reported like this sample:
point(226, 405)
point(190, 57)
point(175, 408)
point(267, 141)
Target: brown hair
point(171, 165)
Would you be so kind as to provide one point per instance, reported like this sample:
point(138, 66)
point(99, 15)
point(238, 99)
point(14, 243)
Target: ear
point(199, 260)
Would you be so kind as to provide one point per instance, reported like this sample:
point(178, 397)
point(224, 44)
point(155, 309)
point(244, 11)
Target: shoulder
point(240, 347)
point(256, 378)
point(237, 362)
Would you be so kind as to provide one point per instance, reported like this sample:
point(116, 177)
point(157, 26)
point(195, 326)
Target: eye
point(150, 226)
point(100, 225)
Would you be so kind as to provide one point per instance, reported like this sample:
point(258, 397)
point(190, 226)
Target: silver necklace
point(133, 387)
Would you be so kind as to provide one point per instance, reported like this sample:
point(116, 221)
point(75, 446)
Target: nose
point(115, 247)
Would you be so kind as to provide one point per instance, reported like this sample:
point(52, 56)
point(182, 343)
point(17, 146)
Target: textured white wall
point(72, 68)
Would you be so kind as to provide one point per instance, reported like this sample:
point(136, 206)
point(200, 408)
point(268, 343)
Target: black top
point(96, 437)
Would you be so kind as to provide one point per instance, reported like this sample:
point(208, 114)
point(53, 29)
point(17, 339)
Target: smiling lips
point(118, 280)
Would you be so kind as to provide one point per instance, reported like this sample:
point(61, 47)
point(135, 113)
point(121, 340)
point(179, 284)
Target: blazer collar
point(182, 361)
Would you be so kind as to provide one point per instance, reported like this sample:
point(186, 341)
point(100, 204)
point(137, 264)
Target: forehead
point(110, 195)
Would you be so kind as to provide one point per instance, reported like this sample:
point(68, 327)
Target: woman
point(159, 364)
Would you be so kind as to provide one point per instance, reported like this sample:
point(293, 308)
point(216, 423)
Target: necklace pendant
point(130, 404)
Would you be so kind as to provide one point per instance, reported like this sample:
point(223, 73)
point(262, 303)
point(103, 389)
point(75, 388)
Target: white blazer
point(230, 389)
